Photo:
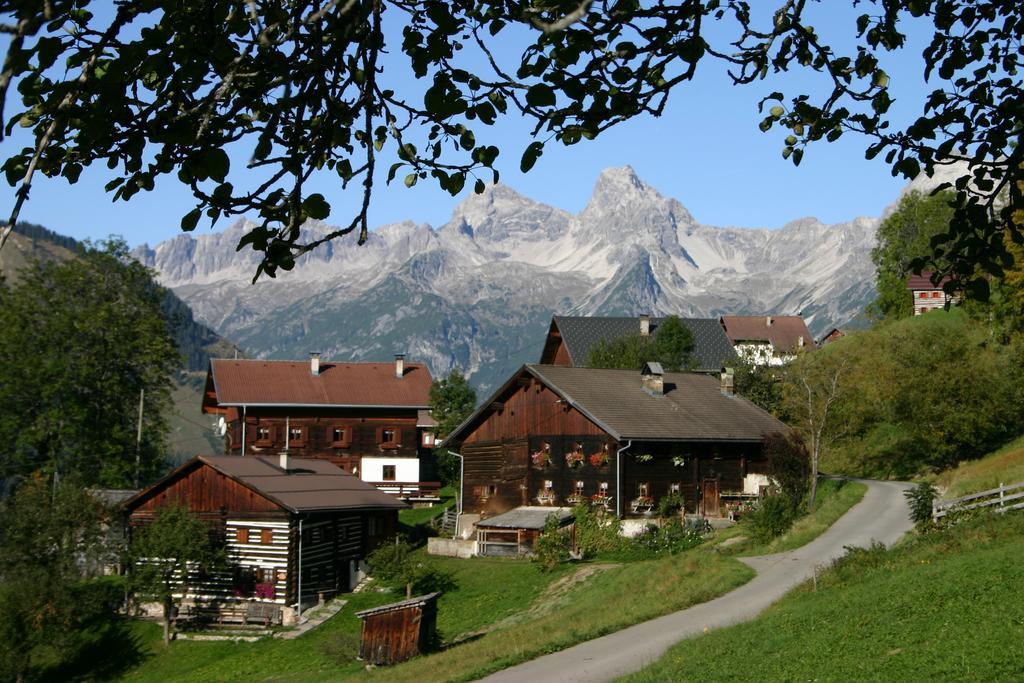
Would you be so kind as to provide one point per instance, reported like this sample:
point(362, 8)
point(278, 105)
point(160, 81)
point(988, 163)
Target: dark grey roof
point(693, 407)
point(112, 497)
point(711, 347)
point(395, 606)
point(526, 517)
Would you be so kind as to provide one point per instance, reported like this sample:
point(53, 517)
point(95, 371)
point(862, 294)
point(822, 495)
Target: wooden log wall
point(363, 434)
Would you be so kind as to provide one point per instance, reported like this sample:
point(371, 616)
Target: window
point(242, 536)
point(428, 439)
point(341, 437)
point(263, 435)
point(389, 472)
point(922, 295)
point(295, 436)
point(267, 536)
point(579, 488)
point(389, 437)
point(604, 487)
point(549, 485)
point(935, 295)
point(674, 487)
point(643, 489)
point(492, 490)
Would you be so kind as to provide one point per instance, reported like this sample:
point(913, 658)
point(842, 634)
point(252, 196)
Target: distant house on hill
point(835, 334)
point(767, 339)
point(369, 419)
point(570, 339)
point(553, 435)
point(293, 528)
point(927, 296)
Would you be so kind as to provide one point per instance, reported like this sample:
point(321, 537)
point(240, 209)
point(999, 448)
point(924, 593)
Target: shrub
point(394, 564)
point(789, 465)
point(670, 505)
point(552, 546)
point(596, 533)
point(771, 518)
point(921, 498)
point(674, 537)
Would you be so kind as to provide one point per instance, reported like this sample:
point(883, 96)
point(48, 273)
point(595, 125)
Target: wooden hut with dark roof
point(293, 528)
point(552, 435)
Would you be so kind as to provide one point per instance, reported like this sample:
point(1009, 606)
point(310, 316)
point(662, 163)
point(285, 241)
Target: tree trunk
point(408, 591)
point(814, 480)
point(168, 610)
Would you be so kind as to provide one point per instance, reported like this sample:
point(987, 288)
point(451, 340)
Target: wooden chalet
point(553, 435)
point(570, 339)
point(293, 528)
point(929, 296)
point(767, 339)
point(370, 419)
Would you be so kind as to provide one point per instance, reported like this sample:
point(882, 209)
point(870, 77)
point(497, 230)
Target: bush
point(552, 546)
point(394, 564)
point(597, 533)
point(670, 505)
point(771, 518)
point(921, 498)
point(789, 466)
point(674, 537)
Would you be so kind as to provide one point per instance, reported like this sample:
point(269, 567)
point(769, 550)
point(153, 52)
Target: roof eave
point(234, 404)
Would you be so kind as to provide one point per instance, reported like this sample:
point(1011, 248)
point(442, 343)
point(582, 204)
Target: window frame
point(396, 440)
point(269, 440)
point(296, 442)
point(385, 470)
point(346, 433)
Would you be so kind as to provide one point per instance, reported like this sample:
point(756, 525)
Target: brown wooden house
point(370, 419)
point(292, 527)
point(552, 435)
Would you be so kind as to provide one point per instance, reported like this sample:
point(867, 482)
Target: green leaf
point(315, 206)
point(540, 95)
point(530, 156)
point(190, 220)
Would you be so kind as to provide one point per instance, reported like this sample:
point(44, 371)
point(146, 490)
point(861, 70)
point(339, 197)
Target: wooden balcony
point(410, 490)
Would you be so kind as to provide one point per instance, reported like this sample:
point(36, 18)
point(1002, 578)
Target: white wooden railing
point(1002, 498)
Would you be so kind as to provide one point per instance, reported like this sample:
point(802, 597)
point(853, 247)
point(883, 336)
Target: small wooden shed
point(399, 631)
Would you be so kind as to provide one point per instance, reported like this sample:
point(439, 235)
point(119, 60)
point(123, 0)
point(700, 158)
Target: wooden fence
point(1001, 498)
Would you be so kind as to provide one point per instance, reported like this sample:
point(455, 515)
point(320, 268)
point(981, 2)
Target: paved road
point(881, 516)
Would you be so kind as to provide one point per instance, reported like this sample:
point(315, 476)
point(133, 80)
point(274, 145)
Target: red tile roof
point(784, 332)
point(924, 281)
point(291, 383)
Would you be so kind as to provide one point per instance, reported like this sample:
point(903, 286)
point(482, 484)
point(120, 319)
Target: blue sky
point(706, 151)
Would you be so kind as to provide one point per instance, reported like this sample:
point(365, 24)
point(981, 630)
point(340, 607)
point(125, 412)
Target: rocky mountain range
point(478, 292)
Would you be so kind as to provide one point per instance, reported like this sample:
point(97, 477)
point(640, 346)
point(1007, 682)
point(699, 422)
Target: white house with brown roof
point(928, 296)
point(370, 419)
point(767, 339)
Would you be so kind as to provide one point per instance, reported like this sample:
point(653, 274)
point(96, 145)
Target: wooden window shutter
point(380, 435)
point(398, 436)
point(267, 536)
point(243, 535)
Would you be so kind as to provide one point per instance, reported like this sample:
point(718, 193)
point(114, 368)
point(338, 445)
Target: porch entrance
point(710, 498)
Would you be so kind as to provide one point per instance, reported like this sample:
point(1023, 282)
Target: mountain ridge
point(477, 292)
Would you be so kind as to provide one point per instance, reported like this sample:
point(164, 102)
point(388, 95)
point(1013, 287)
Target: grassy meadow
point(942, 606)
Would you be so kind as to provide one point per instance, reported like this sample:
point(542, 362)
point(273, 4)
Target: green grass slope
point(943, 606)
point(1003, 466)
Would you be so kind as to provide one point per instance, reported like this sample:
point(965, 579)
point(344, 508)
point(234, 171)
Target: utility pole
point(138, 438)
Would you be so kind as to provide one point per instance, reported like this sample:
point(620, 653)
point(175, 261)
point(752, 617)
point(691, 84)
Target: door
point(710, 497)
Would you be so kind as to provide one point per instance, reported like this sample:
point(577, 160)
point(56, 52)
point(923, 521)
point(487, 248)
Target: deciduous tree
point(156, 90)
point(671, 345)
point(167, 555)
point(79, 342)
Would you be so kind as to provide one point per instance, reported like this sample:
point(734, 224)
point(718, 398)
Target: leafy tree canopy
point(451, 400)
point(156, 90)
point(79, 341)
point(671, 345)
point(903, 238)
point(166, 553)
point(48, 536)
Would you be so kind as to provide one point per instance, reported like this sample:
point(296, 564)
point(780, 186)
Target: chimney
point(314, 363)
point(652, 379)
point(645, 325)
point(727, 378)
point(768, 320)
point(800, 341)
point(399, 365)
point(283, 460)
